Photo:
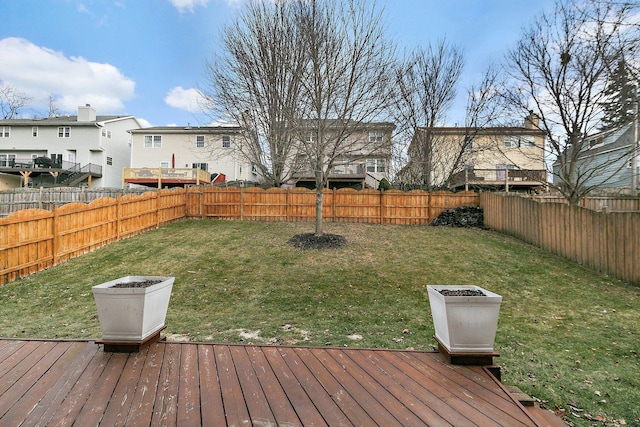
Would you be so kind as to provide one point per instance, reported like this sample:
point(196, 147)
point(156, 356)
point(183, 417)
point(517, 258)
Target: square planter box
point(132, 314)
point(465, 324)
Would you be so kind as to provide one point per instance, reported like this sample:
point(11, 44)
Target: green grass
point(566, 335)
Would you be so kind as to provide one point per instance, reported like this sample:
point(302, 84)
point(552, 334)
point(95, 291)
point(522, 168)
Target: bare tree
point(11, 101)
point(560, 68)
point(426, 85)
point(347, 84)
point(256, 83)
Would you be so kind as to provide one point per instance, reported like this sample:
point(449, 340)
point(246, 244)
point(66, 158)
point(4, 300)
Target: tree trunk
point(319, 196)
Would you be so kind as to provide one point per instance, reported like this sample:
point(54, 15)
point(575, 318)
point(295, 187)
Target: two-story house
point(607, 161)
point(363, 159)
point(86, 149)
point(170, 156)
point(467, 158)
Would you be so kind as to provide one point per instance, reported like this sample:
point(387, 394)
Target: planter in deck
point(132, 313)
point(465, 323)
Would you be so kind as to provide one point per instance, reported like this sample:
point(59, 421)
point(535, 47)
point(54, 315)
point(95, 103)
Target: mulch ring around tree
point(311, 241)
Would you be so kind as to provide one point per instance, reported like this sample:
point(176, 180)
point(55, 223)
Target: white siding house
point(68, 150)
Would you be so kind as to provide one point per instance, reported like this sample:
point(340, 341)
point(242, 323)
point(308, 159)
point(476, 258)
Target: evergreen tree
point(622, 95)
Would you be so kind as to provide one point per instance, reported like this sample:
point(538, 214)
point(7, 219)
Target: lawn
point(567, 336)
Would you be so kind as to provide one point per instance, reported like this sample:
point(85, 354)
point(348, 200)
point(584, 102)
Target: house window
point(5, 131)
point(34, 131)
point(203, 166)
point(510, 142)
point(109, 161)
point(311, 138)
point(152, 141)
point(376, 165)
point(64, 132)
point(226, 141)
point(519, 141)
point(468, 142)
point(164, 165)
point(104, 132)
point(528, 141)
point(109, 134)
point(7, 160)
point(200, 141)
point(375, 135)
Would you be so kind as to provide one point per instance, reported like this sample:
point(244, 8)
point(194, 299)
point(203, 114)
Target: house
point(77, 150)
point(363, 160)
point(607, 161)
point(170, 156)
point(505, 157)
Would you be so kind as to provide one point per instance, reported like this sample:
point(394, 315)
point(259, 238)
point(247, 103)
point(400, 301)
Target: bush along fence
point(34, 239)
point(605, 241)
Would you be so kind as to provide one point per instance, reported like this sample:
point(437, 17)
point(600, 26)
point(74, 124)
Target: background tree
point(621, 96)
point(559, 69)
point(346, 84)
point(11, 101)
point(426, 84)
point(256, 83)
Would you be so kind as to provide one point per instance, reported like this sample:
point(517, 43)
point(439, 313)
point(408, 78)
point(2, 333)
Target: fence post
point(241, 203)
point(54, 233)
point(158, 198)
point(381, 206)
point(201, 202)
point(118, 215)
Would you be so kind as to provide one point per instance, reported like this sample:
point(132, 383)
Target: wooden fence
point(605, 241)
point(598, 203)
point(35, 239)
point(19, 199)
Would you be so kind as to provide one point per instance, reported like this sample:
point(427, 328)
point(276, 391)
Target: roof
point(188, 129)
point(497, 130)
point(61, 121)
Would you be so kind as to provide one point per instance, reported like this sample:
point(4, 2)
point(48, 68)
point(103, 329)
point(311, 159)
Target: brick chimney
point(86, 113)
point(532, 121)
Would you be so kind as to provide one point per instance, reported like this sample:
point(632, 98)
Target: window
point(468, 142)
point(64, 132)
point(203, 166)
point(311, 138)
point(376, 165)
point(200, 141)
point(164, 165)
point(104, 132)
point(109, 161)
point(375, 135)
point(109, 134)
point(226, 141)
point(34, 131)
point(152, 141)
point(5, 131)
point(519, 141)
point(7, 160)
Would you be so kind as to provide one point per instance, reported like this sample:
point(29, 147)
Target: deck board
point(64, 383)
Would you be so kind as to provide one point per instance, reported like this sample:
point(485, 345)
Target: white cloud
point(189, 100)
point(41, 72)
point(188, 5)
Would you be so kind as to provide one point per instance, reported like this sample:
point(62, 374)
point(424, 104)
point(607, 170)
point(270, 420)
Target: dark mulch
point(138, 284)
point(461, 293)
point(462, 216)
point(311, 241)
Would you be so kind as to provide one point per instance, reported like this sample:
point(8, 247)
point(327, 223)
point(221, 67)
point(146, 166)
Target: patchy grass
point(567, 335)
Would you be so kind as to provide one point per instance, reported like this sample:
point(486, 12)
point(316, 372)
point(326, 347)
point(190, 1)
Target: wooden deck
point(63, 383)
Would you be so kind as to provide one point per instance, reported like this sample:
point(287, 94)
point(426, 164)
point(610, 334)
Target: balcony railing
point(506, 177)
point(193, 175)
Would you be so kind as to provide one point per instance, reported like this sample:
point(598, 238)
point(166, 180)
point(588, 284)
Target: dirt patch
point(311, 241)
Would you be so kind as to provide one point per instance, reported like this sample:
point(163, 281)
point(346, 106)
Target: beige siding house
point(172, 156)
point(464, 158)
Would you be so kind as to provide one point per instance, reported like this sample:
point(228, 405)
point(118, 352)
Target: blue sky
point(146, 57)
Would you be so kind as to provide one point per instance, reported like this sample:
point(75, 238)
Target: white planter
point(132, 314)
point(465, 324)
